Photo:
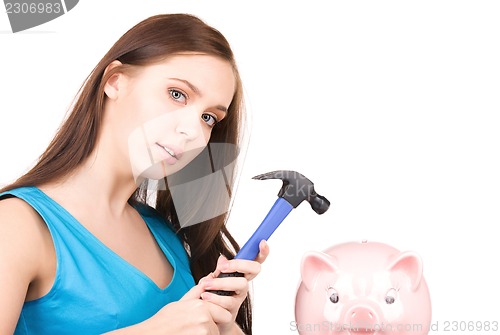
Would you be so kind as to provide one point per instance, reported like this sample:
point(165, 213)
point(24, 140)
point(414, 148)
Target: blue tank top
point(95, 290)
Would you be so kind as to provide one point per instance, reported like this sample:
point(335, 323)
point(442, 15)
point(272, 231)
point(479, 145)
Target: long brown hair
point(147, 42)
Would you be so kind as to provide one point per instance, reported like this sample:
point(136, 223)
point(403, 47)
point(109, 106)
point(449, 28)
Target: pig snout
point(361, 319)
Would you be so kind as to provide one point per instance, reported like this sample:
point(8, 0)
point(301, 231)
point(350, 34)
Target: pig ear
point(313, 264)
point(410, 264)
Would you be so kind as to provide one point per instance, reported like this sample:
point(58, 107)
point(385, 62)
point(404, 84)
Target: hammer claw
point(295, 189)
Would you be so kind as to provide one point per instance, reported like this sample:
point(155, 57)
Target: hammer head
point(297, 188)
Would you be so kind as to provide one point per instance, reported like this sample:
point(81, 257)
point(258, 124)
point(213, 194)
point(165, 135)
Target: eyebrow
point(191, 86)
point(197, 91)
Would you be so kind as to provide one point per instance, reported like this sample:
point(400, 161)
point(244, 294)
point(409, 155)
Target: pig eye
point(390, 297)
point(333, 295)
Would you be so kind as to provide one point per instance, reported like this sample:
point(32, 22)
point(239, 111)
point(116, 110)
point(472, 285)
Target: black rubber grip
point(224, 275)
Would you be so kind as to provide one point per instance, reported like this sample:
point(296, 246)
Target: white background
point(392, 108)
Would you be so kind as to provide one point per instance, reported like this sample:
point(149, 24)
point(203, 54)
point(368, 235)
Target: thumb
point(194, 293)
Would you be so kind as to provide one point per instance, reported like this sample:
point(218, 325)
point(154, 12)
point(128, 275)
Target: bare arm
point(21, 247)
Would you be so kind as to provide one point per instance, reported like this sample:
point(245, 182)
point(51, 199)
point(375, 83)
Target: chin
point(158, 171)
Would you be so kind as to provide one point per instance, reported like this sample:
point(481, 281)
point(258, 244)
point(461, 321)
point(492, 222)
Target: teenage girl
point(82, 248)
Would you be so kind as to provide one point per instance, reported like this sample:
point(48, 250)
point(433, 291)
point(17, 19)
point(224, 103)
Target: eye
point(209, 119)
point(333, 295)
point(390, 296)
point(177, 95)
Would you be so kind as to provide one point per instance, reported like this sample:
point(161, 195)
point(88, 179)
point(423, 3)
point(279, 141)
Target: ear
point(410, 264)
point(112, 86)
point(313, 264)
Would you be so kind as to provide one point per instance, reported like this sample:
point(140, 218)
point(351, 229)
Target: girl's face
point(166, 111)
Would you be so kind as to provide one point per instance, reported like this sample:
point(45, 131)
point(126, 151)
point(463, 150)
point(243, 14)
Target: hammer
point(295, 189)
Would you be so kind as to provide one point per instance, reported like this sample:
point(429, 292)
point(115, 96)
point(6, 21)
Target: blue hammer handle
point(276, 215)
point(250, 250)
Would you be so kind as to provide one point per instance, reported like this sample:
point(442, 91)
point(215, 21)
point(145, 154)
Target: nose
point(188, 123)
point(362, 319)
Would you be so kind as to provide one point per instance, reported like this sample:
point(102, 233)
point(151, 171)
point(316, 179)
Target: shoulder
point(20, 246)
point(22, 233)
point(16, 213)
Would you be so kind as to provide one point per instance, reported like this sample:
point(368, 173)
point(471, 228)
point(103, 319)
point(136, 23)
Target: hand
point(190, 315)
point(238, 285)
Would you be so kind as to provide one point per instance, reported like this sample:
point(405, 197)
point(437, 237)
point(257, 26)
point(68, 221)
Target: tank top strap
point(61, 224)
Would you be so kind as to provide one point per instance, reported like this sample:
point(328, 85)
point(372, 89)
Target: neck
point(104, 180)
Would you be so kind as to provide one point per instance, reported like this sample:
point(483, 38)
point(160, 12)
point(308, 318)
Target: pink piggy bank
point(362, 288)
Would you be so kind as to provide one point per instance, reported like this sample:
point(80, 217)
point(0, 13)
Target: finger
point(263, 252)
point(236, 284)
point(213, 329)
point(230, 303)
point(218, 313)
point(249, 269)
point(222, 265)
point(196, 291)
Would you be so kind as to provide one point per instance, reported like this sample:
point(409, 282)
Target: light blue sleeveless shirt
point(95, 290)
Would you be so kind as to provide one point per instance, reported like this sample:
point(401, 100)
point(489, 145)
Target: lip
point(172, 150)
